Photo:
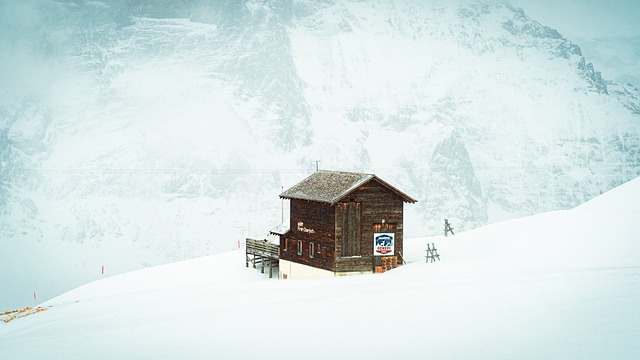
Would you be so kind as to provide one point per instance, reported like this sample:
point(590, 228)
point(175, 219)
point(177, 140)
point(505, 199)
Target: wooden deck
point(262, 252)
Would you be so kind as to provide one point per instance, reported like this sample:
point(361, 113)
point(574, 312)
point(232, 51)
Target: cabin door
point(384, 228)
point(383, 262)
point(349, 221)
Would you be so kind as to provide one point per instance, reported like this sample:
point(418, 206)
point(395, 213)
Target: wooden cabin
point(341, 223)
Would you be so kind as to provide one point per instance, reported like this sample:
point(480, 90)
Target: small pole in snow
point(103, 272)
point(35, 299)
point(238, 243)
point(317, 162)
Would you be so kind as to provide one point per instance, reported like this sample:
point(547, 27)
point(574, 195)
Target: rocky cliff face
point(164, 130)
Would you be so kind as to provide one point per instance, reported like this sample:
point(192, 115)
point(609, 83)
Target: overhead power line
point(149, 171)
point(249, 171)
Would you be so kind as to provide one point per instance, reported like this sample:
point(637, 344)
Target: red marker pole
point(35, 301)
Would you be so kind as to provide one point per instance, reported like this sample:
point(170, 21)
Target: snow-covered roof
point(280, 229)
point(331, 186)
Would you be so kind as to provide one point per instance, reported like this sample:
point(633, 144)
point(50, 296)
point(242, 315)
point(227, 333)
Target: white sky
point(585, 18)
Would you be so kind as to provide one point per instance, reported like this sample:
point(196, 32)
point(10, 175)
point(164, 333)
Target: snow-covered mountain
point(134, 133)
point(559, 285)
point(616, 57)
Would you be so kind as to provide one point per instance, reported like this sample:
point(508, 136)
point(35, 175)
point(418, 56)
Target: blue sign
point(383, 243)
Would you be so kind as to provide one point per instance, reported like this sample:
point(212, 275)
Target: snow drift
point(135, 133)
point(558, 285)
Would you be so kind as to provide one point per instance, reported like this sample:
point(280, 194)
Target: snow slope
point(137, 133)
point(560, 285)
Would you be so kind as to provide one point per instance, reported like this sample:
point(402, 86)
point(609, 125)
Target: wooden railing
point(262, 252)
point(262, 248)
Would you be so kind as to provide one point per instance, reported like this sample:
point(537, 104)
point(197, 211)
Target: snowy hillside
point(560, 285)
point(135, 133)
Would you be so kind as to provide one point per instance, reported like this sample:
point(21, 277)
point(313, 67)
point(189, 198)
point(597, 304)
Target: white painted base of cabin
point(293, 270)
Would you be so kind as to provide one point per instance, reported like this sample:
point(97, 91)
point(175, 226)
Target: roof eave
point(305, 199)
point(405, 198)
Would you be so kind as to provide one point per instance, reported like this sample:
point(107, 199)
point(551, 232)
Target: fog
point(586, 18)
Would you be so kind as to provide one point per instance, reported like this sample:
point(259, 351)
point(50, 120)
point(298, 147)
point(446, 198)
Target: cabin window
point(311, 249)
point(299, 247)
